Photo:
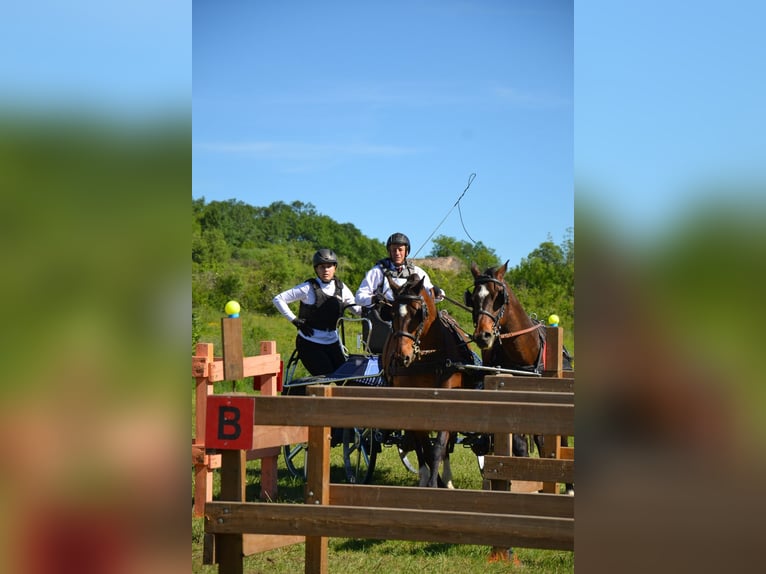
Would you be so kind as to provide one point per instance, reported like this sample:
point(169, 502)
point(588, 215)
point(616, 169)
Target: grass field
point(349, 555)
point(353, 556)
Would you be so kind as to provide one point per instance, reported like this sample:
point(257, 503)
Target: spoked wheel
point(295, 459)
point(360, 452)
point(409, 459)
point(407, 453)
point(295, 455)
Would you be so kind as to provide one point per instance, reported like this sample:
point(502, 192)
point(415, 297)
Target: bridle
point(496, 318)
point(419, 331)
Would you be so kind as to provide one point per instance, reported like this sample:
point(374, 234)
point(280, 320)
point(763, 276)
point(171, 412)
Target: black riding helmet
point(399, 239)
point(324, 256)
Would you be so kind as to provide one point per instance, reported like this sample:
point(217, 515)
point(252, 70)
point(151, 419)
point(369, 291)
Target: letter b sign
point(229, 424)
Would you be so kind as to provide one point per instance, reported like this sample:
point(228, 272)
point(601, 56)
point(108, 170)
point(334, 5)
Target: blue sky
point(118, 58)
point(669, 110)
point(378, 113)
point(360, 107)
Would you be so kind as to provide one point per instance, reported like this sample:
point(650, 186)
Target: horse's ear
point(468, 299)
point(502, 270)
point(475, 269)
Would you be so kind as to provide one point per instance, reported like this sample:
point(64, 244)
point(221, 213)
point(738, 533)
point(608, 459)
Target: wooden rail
point(264, 370)
point(497, 517)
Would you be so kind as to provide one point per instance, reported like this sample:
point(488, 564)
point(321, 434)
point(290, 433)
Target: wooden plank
point(567, 453)
point(260, 365)
point(526, 486)
point(549, 397)
point(527, 468)
point(512, 382)
point(465, 416)
point(251, 366)
point(203, 357)
point(501, 530)
point(263, 453)
point(267, 436)
point(254, 543)
point(457, 500)
point(231, 337)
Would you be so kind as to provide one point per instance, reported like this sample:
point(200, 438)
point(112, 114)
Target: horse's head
point(488, 302)
point(413, 312)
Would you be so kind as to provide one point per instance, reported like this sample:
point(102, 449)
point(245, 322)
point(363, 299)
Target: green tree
point(544, 281)
point(444, 246)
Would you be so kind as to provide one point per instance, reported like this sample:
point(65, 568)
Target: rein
point(419, 331)
point(517, 333)
point(497, 317)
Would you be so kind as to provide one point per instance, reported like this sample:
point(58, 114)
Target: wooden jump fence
point(234, 428)
point(493, 517)
point(265, 370)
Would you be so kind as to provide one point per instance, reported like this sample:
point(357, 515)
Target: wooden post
point(229, 546)
point(318, 489)
point(554, 352)
point(503, 444)
point(267, 385)
point(231, 335)
point(203, 479)
point(554, 359)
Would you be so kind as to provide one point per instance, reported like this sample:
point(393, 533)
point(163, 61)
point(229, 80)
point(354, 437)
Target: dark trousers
point(319, 359)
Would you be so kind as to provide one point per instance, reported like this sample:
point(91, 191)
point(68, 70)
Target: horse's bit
point(496, 318)
point(499, 315)
point(419, 331)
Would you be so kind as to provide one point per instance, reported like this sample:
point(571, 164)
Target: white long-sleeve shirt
point(305, 293)
point(375, 277)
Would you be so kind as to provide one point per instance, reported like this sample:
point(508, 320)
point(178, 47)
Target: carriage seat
point(380, 330)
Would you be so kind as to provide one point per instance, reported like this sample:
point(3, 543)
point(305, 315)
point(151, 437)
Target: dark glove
point(303, 327)
point(379, 299)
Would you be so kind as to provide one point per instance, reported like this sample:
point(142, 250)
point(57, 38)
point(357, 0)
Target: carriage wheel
point(360, 453)
point(296, 456)
point(409, 460)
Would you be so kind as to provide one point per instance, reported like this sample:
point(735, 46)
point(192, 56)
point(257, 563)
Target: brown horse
point(419, 353)
point(507, 336)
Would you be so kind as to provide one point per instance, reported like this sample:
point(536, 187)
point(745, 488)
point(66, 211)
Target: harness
point(497, 349)
point(389, 271)
point(324, 313)
point(440, 367)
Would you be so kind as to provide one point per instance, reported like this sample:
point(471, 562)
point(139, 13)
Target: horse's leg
point(569, 485)
point(438, 454)
point(446, 478)
point(519, 445)
point(420, 440)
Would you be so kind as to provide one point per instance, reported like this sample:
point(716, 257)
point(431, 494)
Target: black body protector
point(392, 273)
point(324, 313)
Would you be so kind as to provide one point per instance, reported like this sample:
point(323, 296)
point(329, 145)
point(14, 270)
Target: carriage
point(364, 367)
point(362, 340)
